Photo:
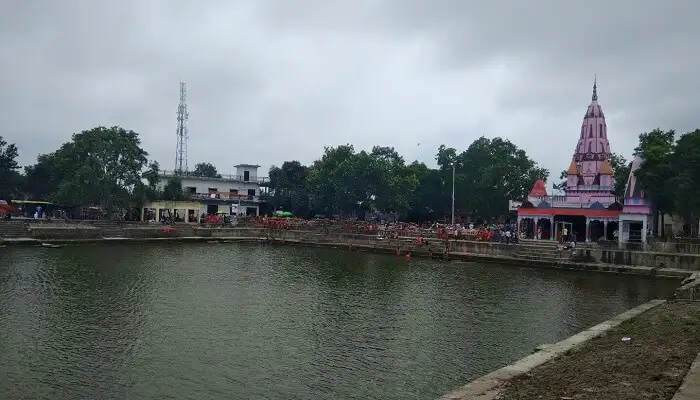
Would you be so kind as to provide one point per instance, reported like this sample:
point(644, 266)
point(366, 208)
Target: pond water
point(237, 321)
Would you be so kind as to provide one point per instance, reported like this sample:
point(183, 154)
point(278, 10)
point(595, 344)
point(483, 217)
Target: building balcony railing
point(221, 177)
point(223, 196)
point(592, 188)
point(571, 202)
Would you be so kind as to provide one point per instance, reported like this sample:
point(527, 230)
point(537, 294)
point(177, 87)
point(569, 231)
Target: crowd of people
point(500, 232)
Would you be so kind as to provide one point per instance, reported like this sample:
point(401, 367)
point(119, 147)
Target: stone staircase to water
point(185, 230)
point(543, 250)
point(13, 229)
point(110, 229)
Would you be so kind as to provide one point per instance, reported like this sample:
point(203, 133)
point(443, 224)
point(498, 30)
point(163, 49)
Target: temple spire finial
point(595, 88)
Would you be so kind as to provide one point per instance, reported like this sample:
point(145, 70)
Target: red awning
point(8, 208)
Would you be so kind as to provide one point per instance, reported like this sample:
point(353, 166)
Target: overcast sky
point(270, 81)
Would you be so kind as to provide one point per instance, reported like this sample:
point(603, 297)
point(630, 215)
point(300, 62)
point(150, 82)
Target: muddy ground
point(664, 343)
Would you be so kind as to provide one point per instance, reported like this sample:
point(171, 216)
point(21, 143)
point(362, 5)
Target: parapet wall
point(93, 230)
point(63, 231)
point(650, 259)
point(687, 246)
point(401, 245)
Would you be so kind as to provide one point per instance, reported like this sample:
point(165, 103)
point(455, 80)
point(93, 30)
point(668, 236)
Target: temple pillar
point(644, 230)
point(605, 229)
point(552, 229)
point(536, 222)
point(588, 230)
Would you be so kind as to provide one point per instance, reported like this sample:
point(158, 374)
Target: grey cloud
point(275, 80)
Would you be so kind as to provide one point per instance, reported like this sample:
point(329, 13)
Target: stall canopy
point(282, 214)
point(7, 208)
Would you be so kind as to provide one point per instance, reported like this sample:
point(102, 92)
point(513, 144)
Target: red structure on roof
point(539, 189)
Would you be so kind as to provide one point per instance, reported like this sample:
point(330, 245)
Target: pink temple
point(588, 209)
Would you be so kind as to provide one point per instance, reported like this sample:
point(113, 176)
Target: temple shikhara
point(588, 209)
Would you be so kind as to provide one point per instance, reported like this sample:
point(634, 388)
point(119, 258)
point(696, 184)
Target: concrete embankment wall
point(683, 246)
point(613, 260)
point(651, 259)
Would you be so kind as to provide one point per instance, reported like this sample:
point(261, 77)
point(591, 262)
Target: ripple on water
point(260, 322)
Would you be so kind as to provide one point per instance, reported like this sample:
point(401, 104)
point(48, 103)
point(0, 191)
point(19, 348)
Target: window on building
point(246, 176)
point(191, 190)
point(583, 128)
point(600, 130)
point(589, 146)
point(213, 190)
point(590, 131)
point(251, 192)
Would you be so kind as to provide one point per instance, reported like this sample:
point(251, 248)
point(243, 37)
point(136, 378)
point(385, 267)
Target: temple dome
point(539, 189)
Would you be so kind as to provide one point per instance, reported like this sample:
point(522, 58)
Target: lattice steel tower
point(182, 116)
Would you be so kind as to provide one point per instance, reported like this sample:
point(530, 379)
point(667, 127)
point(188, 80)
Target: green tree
point(334, 183)
point(173, 189)
point(685, 183)
point(562, 181)
point(343, 181)
point(152, 176)
point(42, 178)
point(143, 193)
point(290, 187)
point(656, 148)
point(206, 170)
point(622, 171)
point(488, 174)
point(430, 200)
point(10, 179)
point(100, 166)
point(395, 183)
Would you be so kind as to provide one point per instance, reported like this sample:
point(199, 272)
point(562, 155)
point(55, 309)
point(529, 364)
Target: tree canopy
point(9, 176)
point(344, 181)
point(206, 170)
point(101, 166)
point(670, 173)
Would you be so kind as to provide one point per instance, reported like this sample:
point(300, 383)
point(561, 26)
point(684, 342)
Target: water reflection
point(260, 322)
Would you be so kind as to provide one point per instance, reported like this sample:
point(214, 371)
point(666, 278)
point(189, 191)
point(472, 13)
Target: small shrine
point(636, 216)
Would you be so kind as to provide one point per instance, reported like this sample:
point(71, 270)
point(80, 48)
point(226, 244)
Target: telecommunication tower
point(182, 116)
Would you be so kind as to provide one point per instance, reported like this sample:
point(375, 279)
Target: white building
point(238, 194)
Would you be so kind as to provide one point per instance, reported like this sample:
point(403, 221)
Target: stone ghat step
point(543, 258)
point(13, 229)
point(542, 254)
point(552, 245)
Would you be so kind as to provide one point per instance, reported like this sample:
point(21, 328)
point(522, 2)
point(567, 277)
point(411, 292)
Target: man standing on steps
point(565, 234)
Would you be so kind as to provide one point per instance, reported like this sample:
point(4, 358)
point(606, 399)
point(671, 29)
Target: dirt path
point(664, 342)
